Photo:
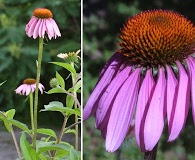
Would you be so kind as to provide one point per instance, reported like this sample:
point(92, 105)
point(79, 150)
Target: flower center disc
point(29, 81)
point(157, 37)
point(42, 13)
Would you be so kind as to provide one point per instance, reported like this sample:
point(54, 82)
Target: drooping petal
point(109, 74)
point(49, 29)
point(108, 96)
point(144, 99)
point(19, 89)
point(36, 29)
point(154, 121)
point(55, 27)
point(182, 104)
point(191, 69)
point(122, 112)
point(28, 89)
point(41, 28)
point(170, 93)
point(41, 88)
point(31, 26)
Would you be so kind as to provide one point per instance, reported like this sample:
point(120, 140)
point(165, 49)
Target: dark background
point(102, 22)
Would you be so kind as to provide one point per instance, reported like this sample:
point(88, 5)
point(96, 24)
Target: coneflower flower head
point(29, 85)
point(42, 22)
point(151, 77)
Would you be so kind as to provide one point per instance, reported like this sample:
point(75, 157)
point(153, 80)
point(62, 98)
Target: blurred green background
point(18, 52)
point(102, 22)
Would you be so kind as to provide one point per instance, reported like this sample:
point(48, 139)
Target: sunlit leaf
point(58, 106)
point(48, 132)
point(66, 66)
point(20, 125)
point(73, 154)
point(60, 80)
point(28, 152)
point(69, 101)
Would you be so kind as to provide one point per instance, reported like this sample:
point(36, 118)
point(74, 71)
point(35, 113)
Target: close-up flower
point(29, 85)
point(149, 80)
point(42, 22)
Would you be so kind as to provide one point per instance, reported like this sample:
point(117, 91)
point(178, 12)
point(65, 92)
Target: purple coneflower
point(28, 86)
point(149, 79)
point(42, 22)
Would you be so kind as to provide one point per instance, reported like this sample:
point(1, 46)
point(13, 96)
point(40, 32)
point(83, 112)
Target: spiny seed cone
point(29, 81)
point(157, 37)
point(42, 13)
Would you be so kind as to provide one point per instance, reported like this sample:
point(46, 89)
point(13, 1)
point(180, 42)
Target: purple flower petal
point(122, 112)
point(154, 121)
point(36, 29)
point(31, 26)
point(49, 29)
point(191, 68)
point(182, 104)
point(144, 99)
point(170, 93)
point(98, 91)
point(109, 94)
point(55, 27)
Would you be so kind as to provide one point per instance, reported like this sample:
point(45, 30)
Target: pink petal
point(36, 30)
point(109, 74)
point(182, 104)
point(41, 88)
point(19, 89)
point(41, 34)
point(191, 68)
point(49, 29)
point(122, 112)
point(55, 27)
point(31, 26)
point(109, 94)
point(170, 93)
point(154, 121)
point(144, 99)
point(27, 90)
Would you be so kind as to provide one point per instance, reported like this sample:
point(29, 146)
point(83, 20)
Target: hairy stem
point(76, 117)
point(36, 91)
point(31, 110)
point(15, 142)
point(61, 134)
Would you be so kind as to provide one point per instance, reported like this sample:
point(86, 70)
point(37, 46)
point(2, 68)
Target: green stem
point(76, 117)
point(31, 110)
point(37, 89)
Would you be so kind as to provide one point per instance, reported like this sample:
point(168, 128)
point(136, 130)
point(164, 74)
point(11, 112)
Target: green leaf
point(48, 132)
point(69, 101)
point(58, 106)
point(71, 131)
point(66, 66)
point(49, 146)
point(20, 125)
point(77, 86)
point(2, 83)
point(73, 154)
point(56, 90)
point(10, 113)
point(60, 80)
point(28, 152)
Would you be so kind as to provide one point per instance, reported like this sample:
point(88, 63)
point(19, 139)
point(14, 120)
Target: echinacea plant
point(149, 80)
point(50, 146)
